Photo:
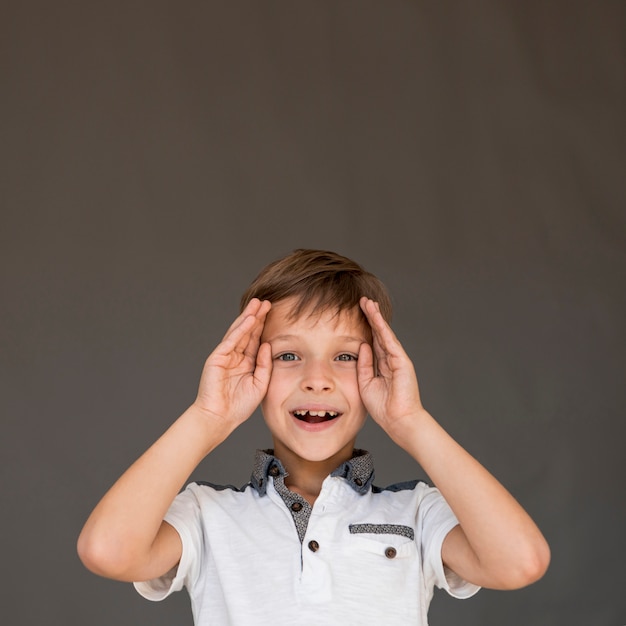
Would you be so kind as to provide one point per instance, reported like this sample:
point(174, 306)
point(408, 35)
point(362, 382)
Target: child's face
point(313, 407)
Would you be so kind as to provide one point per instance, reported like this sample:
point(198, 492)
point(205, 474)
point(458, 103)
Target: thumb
point(263, 368)
point(365, 365)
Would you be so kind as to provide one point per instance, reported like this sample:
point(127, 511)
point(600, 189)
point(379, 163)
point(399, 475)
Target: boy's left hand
point(388, 387)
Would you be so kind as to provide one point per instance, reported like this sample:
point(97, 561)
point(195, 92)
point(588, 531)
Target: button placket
point(295, 505)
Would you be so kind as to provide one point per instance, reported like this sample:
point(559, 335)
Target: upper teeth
point(316, 413)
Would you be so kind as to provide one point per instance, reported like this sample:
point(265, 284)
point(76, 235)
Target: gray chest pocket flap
point(390, 541)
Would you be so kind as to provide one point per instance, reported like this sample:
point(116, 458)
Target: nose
point(317, 377)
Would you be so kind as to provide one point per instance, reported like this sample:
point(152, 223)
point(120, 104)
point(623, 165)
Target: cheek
point(277, 388)
point(348, 379)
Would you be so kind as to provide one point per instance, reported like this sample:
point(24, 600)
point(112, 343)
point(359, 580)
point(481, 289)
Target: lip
point(315, 426)
point(316, 407)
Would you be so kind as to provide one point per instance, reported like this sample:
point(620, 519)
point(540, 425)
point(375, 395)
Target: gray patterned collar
point(358, 471)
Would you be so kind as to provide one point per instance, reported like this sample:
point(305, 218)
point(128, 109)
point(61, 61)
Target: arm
point(125, 537)
point(496, 544)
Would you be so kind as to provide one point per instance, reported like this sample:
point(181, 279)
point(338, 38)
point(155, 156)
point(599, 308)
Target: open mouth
point(315, 417)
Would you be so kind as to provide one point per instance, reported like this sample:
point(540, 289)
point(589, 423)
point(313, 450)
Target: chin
point(319, 452)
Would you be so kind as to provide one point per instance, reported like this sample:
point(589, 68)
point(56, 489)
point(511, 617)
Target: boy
point(310, 540)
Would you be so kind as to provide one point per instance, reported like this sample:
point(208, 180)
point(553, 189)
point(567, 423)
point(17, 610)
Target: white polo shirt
point(262, 555)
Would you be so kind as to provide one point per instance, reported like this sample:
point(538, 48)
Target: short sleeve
point(435, 520)
point(184, 515)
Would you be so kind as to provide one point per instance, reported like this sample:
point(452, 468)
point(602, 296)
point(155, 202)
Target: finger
point(263, 369)
point(384, 338)
point(256, 310)
point(369, 309)
point(365, 365)
point(380, 356)
point(249, 342)
point(388, 350)
point(251, 309)
point(255, 337)
point(263, 310)
point(238, 337)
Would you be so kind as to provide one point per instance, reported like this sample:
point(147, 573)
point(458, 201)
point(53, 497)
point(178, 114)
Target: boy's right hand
point(237, 373)
point(125, 537)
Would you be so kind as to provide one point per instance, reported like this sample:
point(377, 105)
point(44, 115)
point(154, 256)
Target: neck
point(305, 476)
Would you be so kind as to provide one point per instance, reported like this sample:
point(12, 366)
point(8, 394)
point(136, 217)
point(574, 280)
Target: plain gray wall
point(155, 156)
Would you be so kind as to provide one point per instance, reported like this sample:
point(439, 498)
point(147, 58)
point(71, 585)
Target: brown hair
point(320, 280)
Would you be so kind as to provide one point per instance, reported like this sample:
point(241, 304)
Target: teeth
point(302, 413)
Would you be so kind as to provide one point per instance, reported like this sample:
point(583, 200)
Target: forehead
point(280, 321)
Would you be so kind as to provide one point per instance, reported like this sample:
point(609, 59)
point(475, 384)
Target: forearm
point(503, 545)
point(497, 545)
point(120, 534)
point(125, 536)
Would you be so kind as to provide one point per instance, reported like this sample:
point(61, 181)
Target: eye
point(287, 356)
point(346, 357)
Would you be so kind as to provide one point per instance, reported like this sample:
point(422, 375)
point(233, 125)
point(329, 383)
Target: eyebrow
point(297, 337)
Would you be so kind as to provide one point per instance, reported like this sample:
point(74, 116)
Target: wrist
point(406, 430)
point(208, 426)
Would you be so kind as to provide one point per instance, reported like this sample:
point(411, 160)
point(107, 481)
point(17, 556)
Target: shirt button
point(274, 471)
point(358, 482)
point(314, 546)
point(390, 553)
point(296, 506)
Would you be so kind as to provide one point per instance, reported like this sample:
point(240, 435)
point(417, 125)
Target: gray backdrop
point(156, 155)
